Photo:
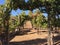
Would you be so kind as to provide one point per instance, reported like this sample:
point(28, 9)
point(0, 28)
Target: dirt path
point(30, 36)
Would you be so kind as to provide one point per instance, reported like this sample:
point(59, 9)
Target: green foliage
point(52, 8)
point(39, 20)
point(1, 17)
point(22, 18)
point(30, 14)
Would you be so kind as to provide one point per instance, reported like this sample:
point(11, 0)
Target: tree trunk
point(50, 40)
point(6, 26)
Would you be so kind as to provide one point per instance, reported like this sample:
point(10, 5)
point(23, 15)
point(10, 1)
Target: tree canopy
point(52, 7)
point(33, 4)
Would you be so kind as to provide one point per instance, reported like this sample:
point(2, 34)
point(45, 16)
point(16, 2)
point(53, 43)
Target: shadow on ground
point(35, 41)
point(56, 38)
point(30, 42)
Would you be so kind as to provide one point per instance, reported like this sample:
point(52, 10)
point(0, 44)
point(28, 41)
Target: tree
point(22, 17)
point(38, 19)
point(12, 23)
point(6, 17)
point(1, 15)
point(30, 13)
point(50, 5)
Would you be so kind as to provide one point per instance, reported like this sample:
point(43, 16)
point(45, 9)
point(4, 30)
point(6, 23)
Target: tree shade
point(30, 5)
point(33, 4)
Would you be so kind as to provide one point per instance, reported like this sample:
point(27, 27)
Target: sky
point(18, 11)
point(2, 2)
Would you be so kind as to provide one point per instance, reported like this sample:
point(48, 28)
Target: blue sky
point(18, 11)
point(26, 0)
point(2, 2)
